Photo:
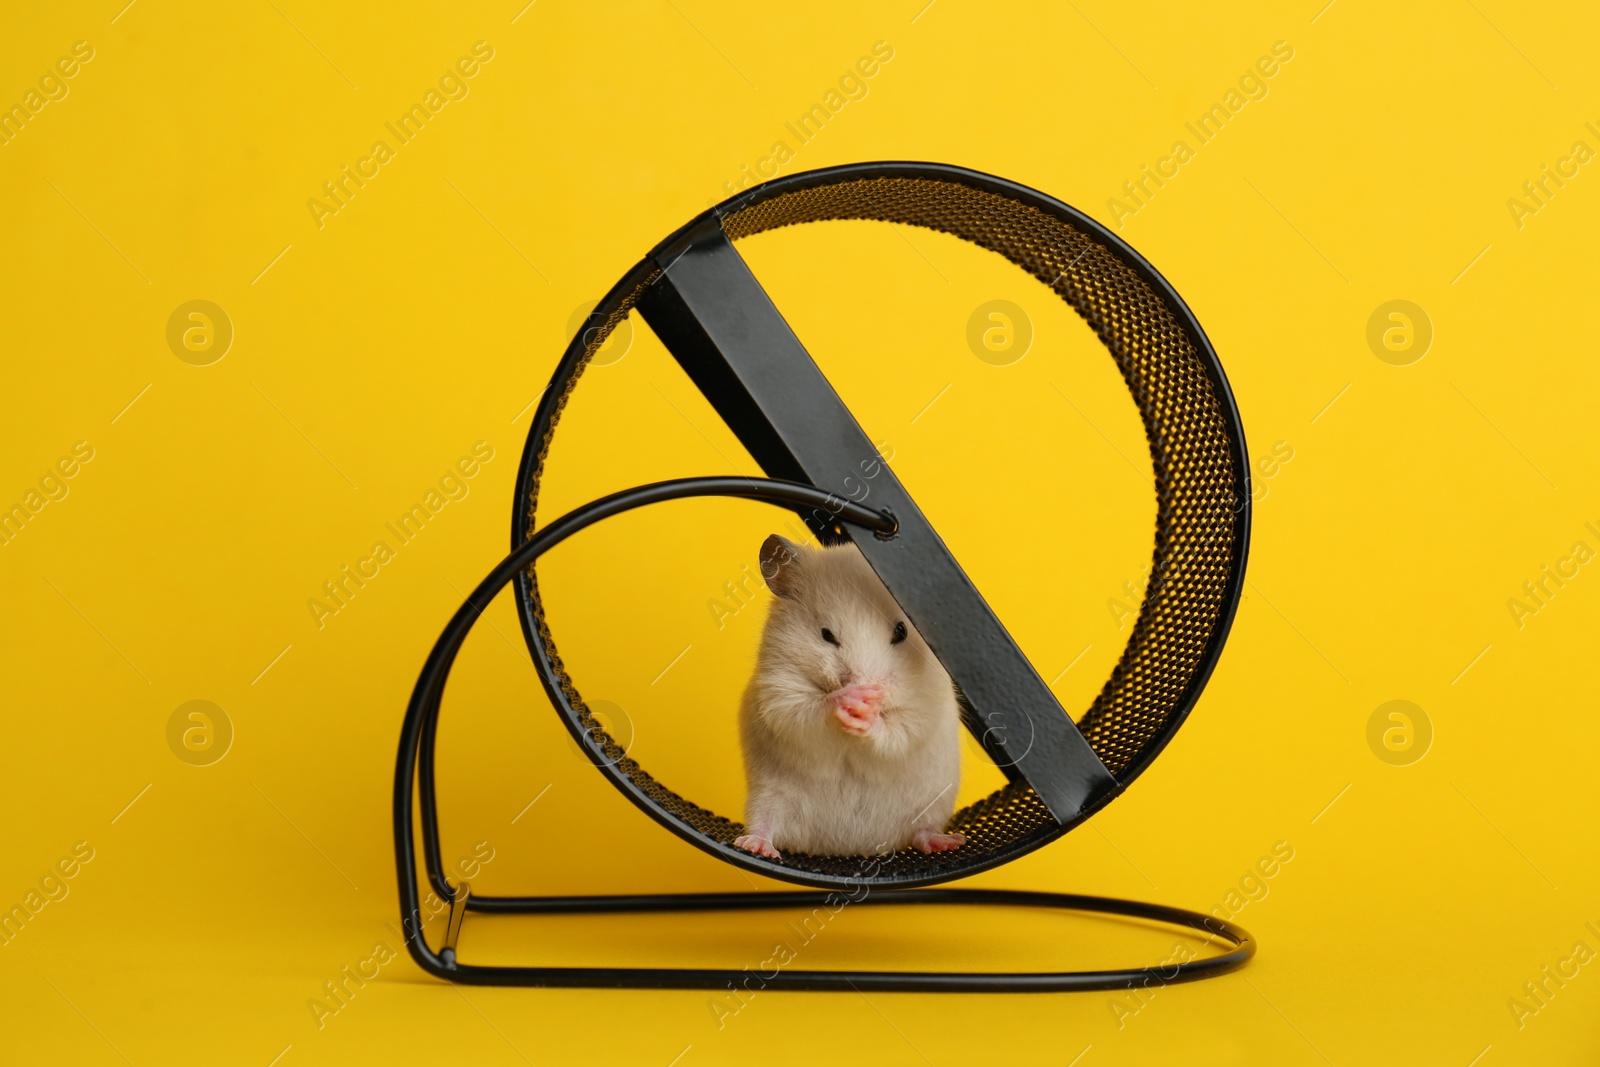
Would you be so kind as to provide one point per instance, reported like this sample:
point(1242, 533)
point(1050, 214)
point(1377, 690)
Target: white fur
point(813, 786)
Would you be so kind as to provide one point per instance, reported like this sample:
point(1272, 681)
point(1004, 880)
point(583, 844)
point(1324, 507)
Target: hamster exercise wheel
point(699, 297)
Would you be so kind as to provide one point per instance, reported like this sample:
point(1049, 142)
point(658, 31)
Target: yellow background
point(372, 352)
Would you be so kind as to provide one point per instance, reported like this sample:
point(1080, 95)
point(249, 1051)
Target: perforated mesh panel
point(1192, 465)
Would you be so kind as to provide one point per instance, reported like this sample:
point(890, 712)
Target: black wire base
point(445, 965)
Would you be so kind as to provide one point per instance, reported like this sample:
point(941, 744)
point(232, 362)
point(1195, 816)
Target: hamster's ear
point(780, 563)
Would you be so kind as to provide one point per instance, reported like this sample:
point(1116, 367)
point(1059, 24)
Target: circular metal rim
point(569, 367)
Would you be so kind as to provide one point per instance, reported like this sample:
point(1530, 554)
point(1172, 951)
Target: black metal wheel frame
point(1071, 786)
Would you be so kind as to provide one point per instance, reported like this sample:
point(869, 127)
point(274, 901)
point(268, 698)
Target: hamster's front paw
point(759, 845)
point(856, 707)
point(933, 841)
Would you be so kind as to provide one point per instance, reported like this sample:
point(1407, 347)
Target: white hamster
point(850, 727)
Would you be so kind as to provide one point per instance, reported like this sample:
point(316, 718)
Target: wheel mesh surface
point(1191, 455)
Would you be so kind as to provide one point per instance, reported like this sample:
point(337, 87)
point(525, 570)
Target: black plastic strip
point(718, 322)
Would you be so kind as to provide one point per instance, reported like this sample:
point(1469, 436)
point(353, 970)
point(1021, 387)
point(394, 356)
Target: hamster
point(849, 726)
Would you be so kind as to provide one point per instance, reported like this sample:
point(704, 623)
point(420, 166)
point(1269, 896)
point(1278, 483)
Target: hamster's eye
point(899, 633)
point(827, 635)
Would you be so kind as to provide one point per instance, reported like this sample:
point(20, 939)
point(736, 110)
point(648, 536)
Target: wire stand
point(414, 774)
